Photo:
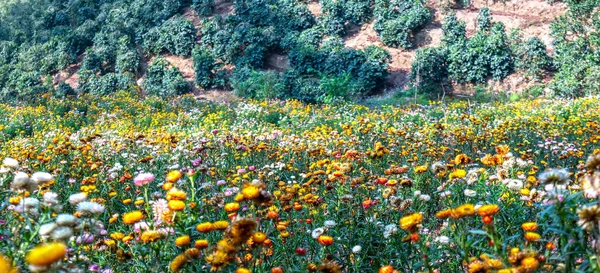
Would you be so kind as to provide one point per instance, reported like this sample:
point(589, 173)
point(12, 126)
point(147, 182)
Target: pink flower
point(143, 179)
point(140, 226)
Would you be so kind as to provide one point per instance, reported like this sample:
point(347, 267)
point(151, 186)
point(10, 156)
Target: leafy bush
point(106, 84)
point(532, 58)
point(207, 70)
point(497, 49)
point(128, 59)
point(429, 69)
point(332, 25)
point(64, 90)
point(453, 30)
point(484, 19)
point(577, 58)
point(203, 7)
point(257, 84)
point(164, 80)
point(176, 36)
point(397, 21)
point(486, 54)
point(22, 85)
point(337, 12)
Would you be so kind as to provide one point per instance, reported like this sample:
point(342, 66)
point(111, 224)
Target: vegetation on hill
point(110, 45)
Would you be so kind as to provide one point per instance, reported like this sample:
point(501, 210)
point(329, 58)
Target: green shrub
point(164, 80)
point(332, 25)
point(453, 30)
point(107, 84)
point(397, 21)
point(576, 58)
point(484, 19)
point(532, 58)
point(203, 7)
point(64, 90)
point(486, 54)
point(257, 84)
point(176, 36)
point(334, 89)
point(208, 73)
point(498, 51)
point(429, 69)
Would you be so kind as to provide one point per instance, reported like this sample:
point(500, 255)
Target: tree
point(207, 70)
point(164, 80)
point(397, 21)
point(429, 69)
point(203, 7)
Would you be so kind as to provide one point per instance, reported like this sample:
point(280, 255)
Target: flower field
point(131, 184)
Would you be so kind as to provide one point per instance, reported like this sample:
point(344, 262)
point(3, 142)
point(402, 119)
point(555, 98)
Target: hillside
point(532, 17)
point(307, 49)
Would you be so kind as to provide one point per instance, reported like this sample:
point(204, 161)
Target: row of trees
point(259, 28)
point(112, 40)
point(489, 53)
point(40, 37)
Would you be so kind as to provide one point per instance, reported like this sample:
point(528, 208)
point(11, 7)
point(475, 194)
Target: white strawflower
point(46, 229)
point(356, 249)
point(21, 182)
point(89, 208)
point(77, 198)
point(329, 224)
point(514, 184)
point(41, 177)
point(554, 176)
point(469, 193)
point(38, 268)
point(424, 197)
point(50, 199)
point(66, 219)
point(10, 163)
point(522, 163)
point(159, 208)
point(62, 234)
point(442, 239)
point(30, 203)
point(317, 232)
point(390, 230)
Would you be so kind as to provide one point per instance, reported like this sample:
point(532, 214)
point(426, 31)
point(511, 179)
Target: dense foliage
point(397, 21)
point(577, 57)
point(40, 39)
point(163, 80)
point(337, 13)
point(109, 43)
point(259, 28)
point(488, 54)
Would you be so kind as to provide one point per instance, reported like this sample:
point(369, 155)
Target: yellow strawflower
point(46, 254)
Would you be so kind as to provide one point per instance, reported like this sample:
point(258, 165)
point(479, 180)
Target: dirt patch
point(314, 8)
point(192, 16)
point(69, 75)
point(224, 7)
